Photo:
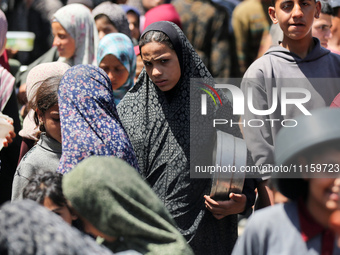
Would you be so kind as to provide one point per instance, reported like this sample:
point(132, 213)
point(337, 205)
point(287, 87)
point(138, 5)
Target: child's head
point(46, 189)
point(295, 17)
point(133, 17)
point(313, 158)
point(321, 28)
point(47, 109)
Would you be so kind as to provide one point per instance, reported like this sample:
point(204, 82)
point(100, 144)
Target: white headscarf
point(77, 20)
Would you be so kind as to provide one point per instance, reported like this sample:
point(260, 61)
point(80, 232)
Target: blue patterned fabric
point(89, 120)
point(121, 47)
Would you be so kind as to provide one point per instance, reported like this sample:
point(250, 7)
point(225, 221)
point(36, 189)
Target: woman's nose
point(156, 72)
point(56, 41)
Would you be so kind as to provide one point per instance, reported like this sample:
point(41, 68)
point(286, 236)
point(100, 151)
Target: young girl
point(156, 113)
point(301, 226)
point(75, 35)
point(45, 189)
point(115, 203)
point(89, 120)
point(45, 155)
point(30, 131)
point(110, 18)
point(117, 58)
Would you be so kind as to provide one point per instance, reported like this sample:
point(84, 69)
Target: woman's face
point(63, 41)
point(115, 70)
point(51, 122)
point(104, 27)
point(161, 64)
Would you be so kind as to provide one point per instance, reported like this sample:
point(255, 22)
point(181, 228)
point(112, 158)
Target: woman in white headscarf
point(75, 35)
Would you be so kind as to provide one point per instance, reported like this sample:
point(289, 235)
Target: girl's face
point(161, 64)
point(133, 20)
point(51, 122)
point(104, 27)
point(324, 190)
point(115, 70)
point(63, 41)
point(62, 211)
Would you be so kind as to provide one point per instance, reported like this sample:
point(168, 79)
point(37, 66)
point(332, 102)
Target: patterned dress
point(159, 125)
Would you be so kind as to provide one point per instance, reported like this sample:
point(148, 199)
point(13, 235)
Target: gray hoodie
point(44, 156)
point(318, 73)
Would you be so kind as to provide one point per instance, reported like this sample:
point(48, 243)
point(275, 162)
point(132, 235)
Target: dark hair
point(99, 16)
point(44, 185)
point(326, 8)
point(155, 36)
point(336, 11)
point(46, 96)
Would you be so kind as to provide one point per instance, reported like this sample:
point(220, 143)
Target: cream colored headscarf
point(34, 79)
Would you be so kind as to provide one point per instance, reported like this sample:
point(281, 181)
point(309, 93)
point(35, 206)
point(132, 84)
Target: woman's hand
point(220, 209)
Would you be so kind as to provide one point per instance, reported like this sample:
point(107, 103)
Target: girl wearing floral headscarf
point(117, 58)
point(89, 120)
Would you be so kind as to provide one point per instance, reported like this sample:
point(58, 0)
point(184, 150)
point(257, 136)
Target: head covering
point(335, 3)
point(28, 228)
point(112, 196)
point(320, 128)
point(159, 127)
point(87, 3)
point(3, 29)
point(89, 120)
point(129, 8)
point(163, 12)
point(121, 47)
point(6, 79)
point(35, 78)
point(116, 15)
point(77, 20)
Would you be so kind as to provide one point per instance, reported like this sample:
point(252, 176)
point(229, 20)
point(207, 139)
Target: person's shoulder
point(247, 7)
point(273, 215)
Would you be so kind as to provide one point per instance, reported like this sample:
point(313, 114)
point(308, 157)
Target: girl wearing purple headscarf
point(89, 120)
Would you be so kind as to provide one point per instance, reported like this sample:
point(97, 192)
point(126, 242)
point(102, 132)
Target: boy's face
point(295, 17)
point(321, 28)
point(324, 193)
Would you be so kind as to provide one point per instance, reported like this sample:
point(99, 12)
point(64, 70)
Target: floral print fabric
point(89, 120)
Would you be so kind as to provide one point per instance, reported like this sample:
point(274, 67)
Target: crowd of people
point(109, 120)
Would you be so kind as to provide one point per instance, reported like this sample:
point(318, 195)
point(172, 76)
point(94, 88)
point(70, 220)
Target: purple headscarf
point(89, 120)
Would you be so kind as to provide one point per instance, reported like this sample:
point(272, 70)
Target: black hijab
point(160, 131)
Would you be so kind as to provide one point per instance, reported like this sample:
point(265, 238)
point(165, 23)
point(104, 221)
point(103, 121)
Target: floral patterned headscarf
point(89, 120)
point(121, 47)
point(77, 20)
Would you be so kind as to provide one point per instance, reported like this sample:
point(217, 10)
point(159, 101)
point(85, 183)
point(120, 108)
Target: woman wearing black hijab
point(157, 113)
